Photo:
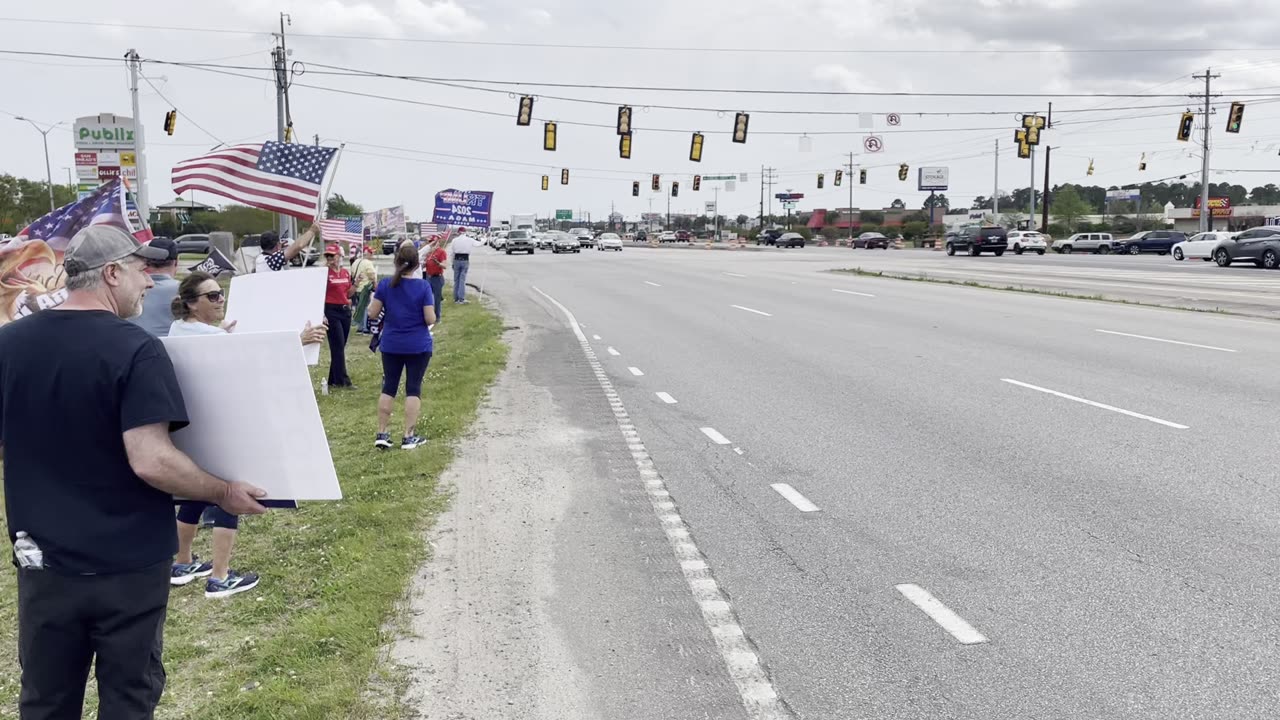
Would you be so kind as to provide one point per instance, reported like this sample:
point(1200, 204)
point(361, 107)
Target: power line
point(200, 127)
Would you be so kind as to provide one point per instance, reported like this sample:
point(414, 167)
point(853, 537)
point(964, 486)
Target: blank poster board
point(279, 301)
point(253, 413)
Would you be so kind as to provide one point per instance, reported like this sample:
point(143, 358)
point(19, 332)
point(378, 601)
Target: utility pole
point(1206, 212)
point(769, 179)
point(48, 169)
point(995, 191)
point(851, 181)
point(761, 228)
point(669, 209)
point(135, 66)
point(280, 62)
point(1044, 210)
point(1031, 191)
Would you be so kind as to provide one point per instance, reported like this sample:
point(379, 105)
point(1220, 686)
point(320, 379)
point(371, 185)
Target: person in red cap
point(337, 311)
point(433, 267)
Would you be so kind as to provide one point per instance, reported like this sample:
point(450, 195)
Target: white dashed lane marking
point(794, 497)
point(715, 436)
point(666, 398)
point(941, 614)
point(758, 312)
point(736, 275)
point(636, 371)
point(613, 352)
point(850, 292)
point(654, 284)
point(1169, 342)
point(1099, 405)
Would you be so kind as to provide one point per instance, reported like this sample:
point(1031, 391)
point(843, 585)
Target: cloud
point(443, 17)
point(538, 16)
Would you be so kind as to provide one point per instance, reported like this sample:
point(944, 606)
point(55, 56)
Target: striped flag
point(347, 230)
point(279, 177)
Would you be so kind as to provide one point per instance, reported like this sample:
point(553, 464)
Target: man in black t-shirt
point(101, 508)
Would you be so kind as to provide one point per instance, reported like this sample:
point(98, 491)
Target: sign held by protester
point(386, 221)
point(279, 301)
point(467, 208)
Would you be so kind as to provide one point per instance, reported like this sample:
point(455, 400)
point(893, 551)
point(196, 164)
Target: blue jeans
point(460, 268)
point(437, 292)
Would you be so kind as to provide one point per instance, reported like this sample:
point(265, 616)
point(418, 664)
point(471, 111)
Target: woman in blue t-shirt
point(405, 343)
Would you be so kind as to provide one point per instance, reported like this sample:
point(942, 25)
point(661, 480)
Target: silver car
point(609, 241)
point(1085, 242)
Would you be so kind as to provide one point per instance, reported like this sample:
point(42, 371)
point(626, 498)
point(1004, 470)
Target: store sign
point(934, 179)
point(104, 131)
point(108, 173)
point(1218, 207)
point(86, 159)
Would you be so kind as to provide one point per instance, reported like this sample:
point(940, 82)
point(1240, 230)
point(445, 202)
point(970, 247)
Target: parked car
point(789, 240)
point(192, 244)
point(520, 241)
point(683, 236)
point(1160, 242)
point(1201, 245)
point(640, 236)
point(768, 236)
point(667, 237)
point(1260, 245)
point(978, 239)
point(307, 257)
point(564, 242)
point(871, 240)
point(609, 241)
point(1021, 241)
point(1085, 242)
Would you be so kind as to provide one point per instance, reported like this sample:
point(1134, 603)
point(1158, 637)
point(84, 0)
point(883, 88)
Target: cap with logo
point(99, 245)
point(332, 250)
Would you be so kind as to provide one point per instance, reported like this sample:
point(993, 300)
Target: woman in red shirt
point(434, 269)
point(337, 311)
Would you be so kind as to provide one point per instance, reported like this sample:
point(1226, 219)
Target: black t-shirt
point(71, 383)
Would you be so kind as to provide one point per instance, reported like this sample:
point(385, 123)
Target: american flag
point(279, 177)
point(108, 205)
point(347, 230)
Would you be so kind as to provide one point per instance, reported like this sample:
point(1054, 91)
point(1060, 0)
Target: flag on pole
point(280, 177)
point(215, 264)
point(347, 230)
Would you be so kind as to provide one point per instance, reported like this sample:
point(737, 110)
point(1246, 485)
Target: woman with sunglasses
point(199, 309)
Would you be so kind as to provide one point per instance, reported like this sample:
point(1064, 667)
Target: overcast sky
point(492, 153)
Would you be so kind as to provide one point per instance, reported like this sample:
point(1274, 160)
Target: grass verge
point(1033, 291)
point(305, 643)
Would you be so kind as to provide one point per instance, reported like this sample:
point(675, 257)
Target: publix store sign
point(106, 148)
point(104, 131)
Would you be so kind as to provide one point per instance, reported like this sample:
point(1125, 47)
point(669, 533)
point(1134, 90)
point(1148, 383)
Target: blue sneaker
point(183, 573)
point(383, 441)
point(233, 585)
point(411, 442)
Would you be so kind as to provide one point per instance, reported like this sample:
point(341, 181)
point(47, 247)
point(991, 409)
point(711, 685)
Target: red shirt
point(339, 287)
point(435, 262)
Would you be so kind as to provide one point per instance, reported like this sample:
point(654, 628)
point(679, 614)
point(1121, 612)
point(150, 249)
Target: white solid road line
point(666, 398)
point(1171, 342)
point(595, 337)
point(794, 497)
point(850, 292)
point(715, 436)
point(733, 275)
point(613, 352)
point(941, 614)
point(1112, 408)
point(646, 282)
point(758, 312)
point(635, 371)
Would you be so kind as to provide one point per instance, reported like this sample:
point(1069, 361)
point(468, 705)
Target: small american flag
point(279, 177)
point(347, 230)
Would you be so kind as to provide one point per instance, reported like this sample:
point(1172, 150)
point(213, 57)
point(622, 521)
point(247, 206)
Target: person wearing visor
point(337, 312)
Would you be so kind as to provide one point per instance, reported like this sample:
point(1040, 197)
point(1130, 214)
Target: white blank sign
point(253, 413)
point(279, 301)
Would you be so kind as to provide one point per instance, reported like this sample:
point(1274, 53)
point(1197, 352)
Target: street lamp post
point(48, 170)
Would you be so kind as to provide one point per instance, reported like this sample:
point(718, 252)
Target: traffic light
point(635, 189)
point(624, 146)
point(675, 189)
point(862, 177)
point(819, 181)
point(624, 120)
point(1090, 171)
point(170, 119)
point(1142, 162)
point(524, 116)
point(1024, 146)
point(1184, 126)
point(1033, 124)
point(902, 172)
point(839, 177)
point(657, 182)
point(564, 176)
point(740, 127)
point(695, 148)
point(1235, 117)
point(697, 183)
point(549, 136)
point(546, 182)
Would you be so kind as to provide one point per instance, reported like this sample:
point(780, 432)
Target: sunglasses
point(215, 296)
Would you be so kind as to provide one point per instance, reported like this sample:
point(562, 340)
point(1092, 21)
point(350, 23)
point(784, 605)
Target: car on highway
point(683, 236)
point(1201, 245)
point(1085, 242)
point(768, 236)
point(1021, 241)
point(609, 241)
point(1160, 242)
point(520, 241)
point(977, 239)
point(640, 236)
point(1260, 246)
point(564, 243)
point(789, 240)
point(584, 235)
point(192, 244)
point(870, 241)
point(543, 240)
point(667, 237)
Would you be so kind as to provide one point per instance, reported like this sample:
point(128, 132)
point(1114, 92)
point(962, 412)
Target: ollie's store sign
point(1218, 207)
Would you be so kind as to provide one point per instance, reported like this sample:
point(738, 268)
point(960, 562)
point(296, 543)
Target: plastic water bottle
point(324, 386)
point(28, 554)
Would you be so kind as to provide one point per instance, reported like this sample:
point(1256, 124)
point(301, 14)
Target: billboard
point(105, 149)
point(564, 214)
point(104, 131)
point(933, 178)
point(386, 221)
point(466, 208)
point(1133, 194)
point(1218, 207)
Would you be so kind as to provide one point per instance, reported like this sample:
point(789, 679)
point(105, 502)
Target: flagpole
point(333, 173)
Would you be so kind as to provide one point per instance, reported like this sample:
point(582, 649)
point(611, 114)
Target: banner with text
point(466, 208)
point(386, 221)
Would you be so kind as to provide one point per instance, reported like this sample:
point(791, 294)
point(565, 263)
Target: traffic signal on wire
point(819, 181)
point(902, 172)
point(624, 146)
point(1184, 126)
point(635, 189)
point(170, 120)
point(695, 148)
point(697, 183)
point(524, 116)
point(862, 177)
point(675, 189)
point(839, 177)
point(549, 136)
point(1236, 117)
point(740, 122)
point(546, 182)
point(564, 176)
point(657, 182)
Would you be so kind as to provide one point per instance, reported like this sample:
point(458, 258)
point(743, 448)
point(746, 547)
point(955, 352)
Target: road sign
point(719, 177)
point(564, 214)
point(873, 144)
point(711, 207)
point(933, 178)
point(789, 196)
point(893, 119)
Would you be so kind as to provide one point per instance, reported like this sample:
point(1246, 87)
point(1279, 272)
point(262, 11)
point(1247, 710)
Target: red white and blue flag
point(347, 230)
point(280, 177)
point(108, 205)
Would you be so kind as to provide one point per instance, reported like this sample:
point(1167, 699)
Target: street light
point(48, 170)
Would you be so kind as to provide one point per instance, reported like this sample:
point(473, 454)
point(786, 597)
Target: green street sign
point(719, 177)
point(564, 214)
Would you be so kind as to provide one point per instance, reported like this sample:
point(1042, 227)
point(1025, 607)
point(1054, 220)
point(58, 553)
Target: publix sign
point(104, 131)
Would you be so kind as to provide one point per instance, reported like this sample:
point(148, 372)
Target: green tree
point(937, 201)
point(914, 230)
point(1068, 206)
point(872, 217)
point(239, 220)
point(742, 220)
point(339, 206)
point(832, 217)
point(897, 204)
point(23, 200)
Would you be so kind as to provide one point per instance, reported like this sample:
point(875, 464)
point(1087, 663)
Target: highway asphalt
point(921, 500)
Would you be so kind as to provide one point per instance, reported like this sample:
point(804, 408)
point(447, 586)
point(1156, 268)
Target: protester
point(273, 259)
point(337, 313)
point(434, 270)
point(462, 247)
point(366, 277)
point(96, 515)
point(405, 343)
point(155, 317)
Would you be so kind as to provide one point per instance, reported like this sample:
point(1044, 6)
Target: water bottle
point(28, 554)
point(324, 386)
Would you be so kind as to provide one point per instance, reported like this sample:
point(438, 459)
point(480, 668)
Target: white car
point(609, 241)
point(1201, 245)
point(667, 237)
point(1021, 241)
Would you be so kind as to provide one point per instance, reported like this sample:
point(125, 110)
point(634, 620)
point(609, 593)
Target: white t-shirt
point(181, 328)
point(462, 245)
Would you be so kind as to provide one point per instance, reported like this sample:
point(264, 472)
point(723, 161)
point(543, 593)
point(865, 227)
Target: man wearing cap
point(366, 277)
point(156, 315)
point(87, 402)
point(461, 248)
point(433, 267)
point(337, 312)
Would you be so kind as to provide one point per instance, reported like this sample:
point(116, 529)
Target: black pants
point(339, 317)
point(64, 621)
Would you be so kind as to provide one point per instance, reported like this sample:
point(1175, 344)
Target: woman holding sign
point(405, 343)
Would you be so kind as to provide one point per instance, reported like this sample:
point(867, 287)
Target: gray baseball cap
point(97, 245)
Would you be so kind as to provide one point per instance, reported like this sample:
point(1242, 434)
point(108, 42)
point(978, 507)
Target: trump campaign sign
point(467, 208)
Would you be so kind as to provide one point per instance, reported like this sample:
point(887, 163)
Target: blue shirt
point(404, 331)
point(157, 314)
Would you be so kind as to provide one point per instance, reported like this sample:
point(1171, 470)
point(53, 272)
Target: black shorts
point(414, 367)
